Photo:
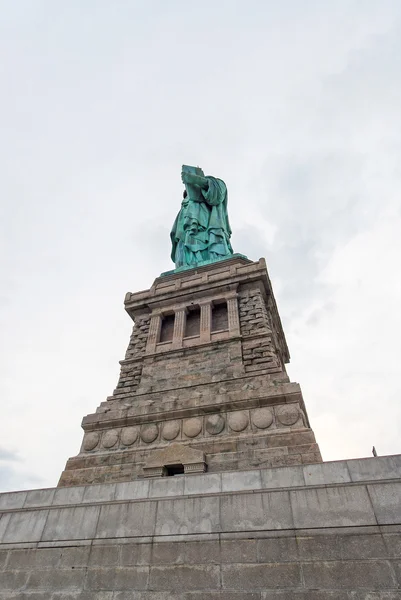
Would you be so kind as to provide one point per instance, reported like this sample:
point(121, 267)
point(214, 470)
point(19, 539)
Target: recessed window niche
point(219, 316)
point(192, 325)
point(167, 328)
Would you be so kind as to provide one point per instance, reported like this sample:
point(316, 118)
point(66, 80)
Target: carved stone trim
point(205, 321)
point(179, 327)
point(195, 468)
point(154, 332)
point(192, 460)
point(154, 471)
point(233, 317)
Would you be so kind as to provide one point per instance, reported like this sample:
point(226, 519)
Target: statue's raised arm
point(201, 231)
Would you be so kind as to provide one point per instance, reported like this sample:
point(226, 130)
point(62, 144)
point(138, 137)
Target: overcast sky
point(295, 104)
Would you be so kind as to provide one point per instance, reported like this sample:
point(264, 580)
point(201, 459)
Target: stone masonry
point(203, 384)
point(328, 531)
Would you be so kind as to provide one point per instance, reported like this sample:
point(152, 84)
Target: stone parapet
point(257, 534)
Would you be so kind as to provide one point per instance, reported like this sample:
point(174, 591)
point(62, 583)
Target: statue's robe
point(212, 238)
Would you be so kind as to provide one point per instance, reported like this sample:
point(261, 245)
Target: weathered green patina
point(201, 232)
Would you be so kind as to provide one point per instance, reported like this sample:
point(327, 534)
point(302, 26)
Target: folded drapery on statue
point(201, 232)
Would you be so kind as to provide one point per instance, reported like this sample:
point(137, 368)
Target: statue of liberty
point(201, 230)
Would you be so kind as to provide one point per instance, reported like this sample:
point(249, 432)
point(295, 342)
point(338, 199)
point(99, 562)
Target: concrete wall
point(323, 531)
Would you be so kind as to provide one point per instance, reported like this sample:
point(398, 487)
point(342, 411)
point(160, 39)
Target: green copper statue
point(201, 232)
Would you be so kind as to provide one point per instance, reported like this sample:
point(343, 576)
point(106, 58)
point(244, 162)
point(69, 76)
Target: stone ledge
point(385, 469)
point(125, 414)
point(343, 507)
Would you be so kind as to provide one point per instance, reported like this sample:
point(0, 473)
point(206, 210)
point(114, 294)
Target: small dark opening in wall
point(174, 470)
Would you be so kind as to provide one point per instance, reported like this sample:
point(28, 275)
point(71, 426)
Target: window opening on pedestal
point(167, 328)
point(192, 325)
point(219, 316)
point(174, 470)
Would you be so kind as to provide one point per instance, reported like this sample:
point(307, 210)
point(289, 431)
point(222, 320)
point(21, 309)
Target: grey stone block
point(386, 500)
point(397, 569)
point(282, 477)
point(99, 493)
point(326, 473)
point(126, 520)
point(185, 553)
point(73, 557)
point(68, 495)
point(277, 549)
point(238, 551)
point(13, 580)
point(136, 554)
point(4, 519)
point(265, 511)
point(118, 579)
point(39, 498)
point(71, 523)
point(132, 490)
point(331, 507)
point(3, 559)
point(33, 558)
point(260, 576)
point(363, 546)
point(241, 480)
point(56, 579)
point(392, 542)
point(184, 577)
point(202, 484)
point(380, 467)
point(25, 526)
point(188, 515)
point(319, 547)
point(349, 575)
point(166, 486)
point(105, 555)
point(11, 500)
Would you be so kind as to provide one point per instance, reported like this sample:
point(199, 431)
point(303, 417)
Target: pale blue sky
point(295, 104)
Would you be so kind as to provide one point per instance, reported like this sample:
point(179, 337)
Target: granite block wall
point(328, 531)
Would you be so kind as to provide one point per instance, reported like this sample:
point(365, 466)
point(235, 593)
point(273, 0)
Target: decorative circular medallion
point(238, 421)
point(149, 432)
point(192, 427)
point(215, 424)
point(110, 438)
point(91, 440)
point(170, 430)
point(129, 435)
point(262, 418)
point(288, 415)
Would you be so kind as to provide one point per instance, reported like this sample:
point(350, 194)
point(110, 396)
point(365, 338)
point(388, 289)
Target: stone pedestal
point(205, 372)
point(327, 531)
